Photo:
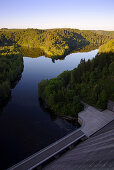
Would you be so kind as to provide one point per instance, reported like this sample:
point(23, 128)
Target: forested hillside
point(55, 43)
point(11, 65)
point(91, 81)
point(107, 48)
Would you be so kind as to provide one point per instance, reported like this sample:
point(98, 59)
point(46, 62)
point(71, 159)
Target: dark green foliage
point(91, 81)
point(56, 95)
point(4, 90)
point(11, 65)
point(57, 43)
point(111, 68)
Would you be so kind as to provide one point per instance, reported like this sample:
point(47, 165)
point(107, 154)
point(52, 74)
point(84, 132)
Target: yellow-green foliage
point(108, 47)
point(54, 42)
point(8, 50)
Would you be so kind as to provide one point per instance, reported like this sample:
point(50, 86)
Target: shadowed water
point(25, 127)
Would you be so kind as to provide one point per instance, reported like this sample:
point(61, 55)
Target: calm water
point(25, 127)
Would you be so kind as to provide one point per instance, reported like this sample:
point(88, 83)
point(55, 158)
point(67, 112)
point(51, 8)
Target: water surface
point(25, 127)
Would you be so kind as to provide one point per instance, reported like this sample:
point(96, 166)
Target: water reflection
point(31, 52)
point(25, 127)
point(37, 52)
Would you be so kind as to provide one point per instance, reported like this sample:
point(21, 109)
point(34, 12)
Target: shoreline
point(74, 120)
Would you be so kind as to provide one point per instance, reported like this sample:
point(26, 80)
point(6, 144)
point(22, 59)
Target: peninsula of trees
point(54, 43)
point(91, 82)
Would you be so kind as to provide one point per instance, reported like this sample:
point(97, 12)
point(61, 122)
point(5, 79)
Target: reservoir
point(25, 127)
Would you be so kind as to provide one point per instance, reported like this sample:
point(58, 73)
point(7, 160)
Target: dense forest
point(11, 65)
point(55, 43)
point(92, 82)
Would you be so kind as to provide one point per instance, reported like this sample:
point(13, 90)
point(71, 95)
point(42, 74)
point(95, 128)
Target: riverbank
point(87, 82)
point(58, 98)
point(73, 120)
point(30, 128)
point(11, 67)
